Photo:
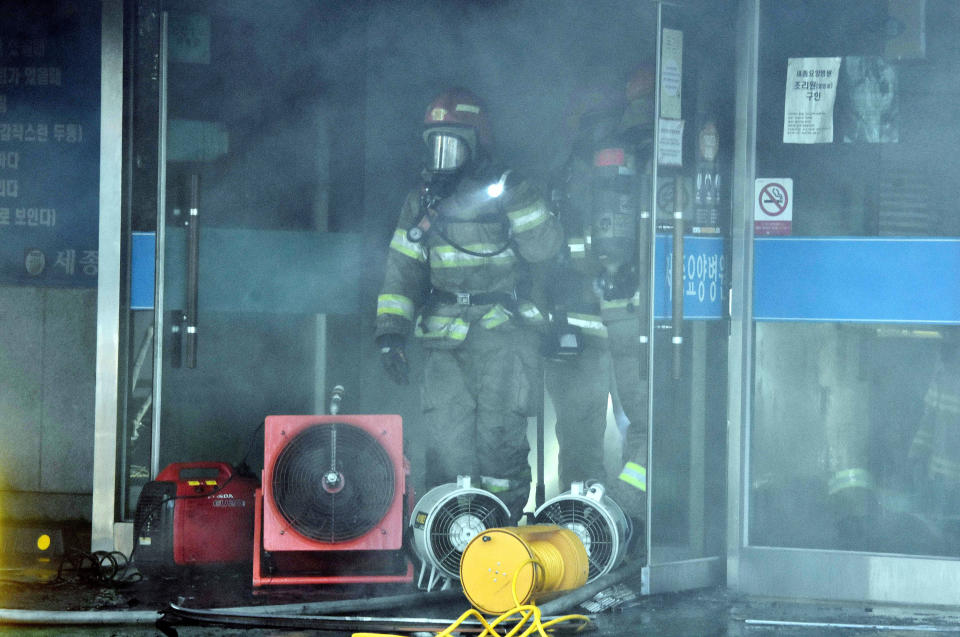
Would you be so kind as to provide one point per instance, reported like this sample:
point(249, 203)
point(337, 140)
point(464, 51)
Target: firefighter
point(851, 491)
point(596, 292)
point(935, 450)
point(455, 274)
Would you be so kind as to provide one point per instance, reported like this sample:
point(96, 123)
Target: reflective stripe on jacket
point(472, 250)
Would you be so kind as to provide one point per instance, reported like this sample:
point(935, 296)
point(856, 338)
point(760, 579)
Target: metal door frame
point(103, 514)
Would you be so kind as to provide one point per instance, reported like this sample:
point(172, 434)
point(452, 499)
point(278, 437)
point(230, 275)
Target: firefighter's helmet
point(639, 95)
point(594, 106)
point(456, 130)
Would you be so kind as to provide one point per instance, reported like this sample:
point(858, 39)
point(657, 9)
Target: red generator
point(332, 505)
point(194, 514)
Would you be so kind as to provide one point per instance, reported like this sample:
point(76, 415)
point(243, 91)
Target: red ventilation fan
point(331, 509)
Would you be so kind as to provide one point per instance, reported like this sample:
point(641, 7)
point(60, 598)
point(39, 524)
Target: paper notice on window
point(671, 142)
point(671, 73)
point(808, 107)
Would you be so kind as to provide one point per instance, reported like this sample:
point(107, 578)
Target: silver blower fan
point(444, 521)
point(597, 520)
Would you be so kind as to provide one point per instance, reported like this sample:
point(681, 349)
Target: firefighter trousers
point(476, 399)
point(580, 387)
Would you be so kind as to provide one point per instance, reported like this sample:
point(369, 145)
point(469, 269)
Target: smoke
point(838, 439)
point(323, 106)
point(523, 58)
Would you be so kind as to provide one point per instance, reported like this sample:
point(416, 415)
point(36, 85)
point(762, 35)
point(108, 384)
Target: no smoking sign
point(773, 206)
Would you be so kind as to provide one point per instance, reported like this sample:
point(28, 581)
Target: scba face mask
point(446, 152)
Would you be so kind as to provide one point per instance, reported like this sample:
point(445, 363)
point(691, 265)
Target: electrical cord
point(100, 567)
point(529, 622)
point(243, 467)
point(96, 567)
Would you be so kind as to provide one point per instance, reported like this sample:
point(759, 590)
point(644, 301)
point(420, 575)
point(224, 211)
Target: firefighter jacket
point(936, 443)
point(467, 268)
point(572, 287)
point(570, 284)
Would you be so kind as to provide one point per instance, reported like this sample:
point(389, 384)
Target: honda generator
point(194, 514)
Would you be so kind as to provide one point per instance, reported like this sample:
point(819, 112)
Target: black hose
point(349, 605)
point(564, 603)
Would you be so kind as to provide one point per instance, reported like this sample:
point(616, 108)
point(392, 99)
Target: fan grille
point(456, 521)
point(326, 509)
point(590, 525)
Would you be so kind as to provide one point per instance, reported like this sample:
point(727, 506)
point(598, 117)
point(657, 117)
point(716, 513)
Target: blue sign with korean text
point(704, 271)
point(49, 144)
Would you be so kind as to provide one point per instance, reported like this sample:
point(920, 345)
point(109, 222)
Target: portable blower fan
point(444, 521)
point(331, 506)
point(597, 520)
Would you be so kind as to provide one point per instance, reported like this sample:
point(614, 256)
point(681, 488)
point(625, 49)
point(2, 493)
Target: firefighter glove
point(622, 285)
point(562, 340)
point(394, 358)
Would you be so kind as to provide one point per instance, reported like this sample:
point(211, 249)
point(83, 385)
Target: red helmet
point(640, 83)
point(597, 98)
point(455, 129)
point(592, 111)
point(639, 93)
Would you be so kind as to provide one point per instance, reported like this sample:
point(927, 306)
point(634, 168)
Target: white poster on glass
point(808, 106)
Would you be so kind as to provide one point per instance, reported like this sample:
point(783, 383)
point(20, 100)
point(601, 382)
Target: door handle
point(193, 272)
point(644, 232)
point(175, 322)
point(677, 285)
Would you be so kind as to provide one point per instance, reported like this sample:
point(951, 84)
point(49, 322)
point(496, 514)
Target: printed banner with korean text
point(50, 144)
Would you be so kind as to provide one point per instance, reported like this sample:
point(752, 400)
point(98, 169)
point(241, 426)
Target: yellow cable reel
point(507, 567)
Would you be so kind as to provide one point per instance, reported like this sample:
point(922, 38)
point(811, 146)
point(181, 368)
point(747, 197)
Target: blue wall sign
point(704, 271)
point(326, 265)
point(857, 279)
point(240, 271)
point(143, 267)
point(50, 144)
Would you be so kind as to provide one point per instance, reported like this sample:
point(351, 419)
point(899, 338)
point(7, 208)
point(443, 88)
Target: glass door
point(687, 450)
point(250, 278)
point(848, 467)
point(255, 228)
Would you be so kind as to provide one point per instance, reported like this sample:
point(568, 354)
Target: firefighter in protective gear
point(851, 492)
point(596, 291)
point(454, 278)
point(935, 450)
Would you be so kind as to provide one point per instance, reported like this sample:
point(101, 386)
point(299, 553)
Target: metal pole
point(106, 432)
point(158, 309)
point(540, 492)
